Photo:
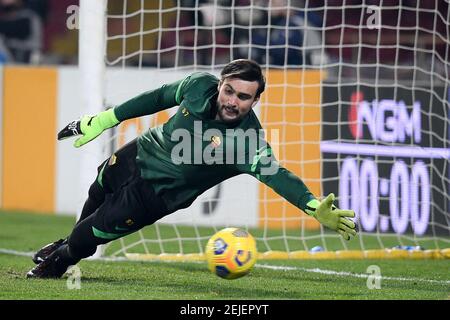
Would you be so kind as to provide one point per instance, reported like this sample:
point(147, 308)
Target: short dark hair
point(247, 70)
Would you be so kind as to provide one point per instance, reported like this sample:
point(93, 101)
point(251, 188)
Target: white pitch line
point(347, 274)
point(266, 266)
point(16, 253)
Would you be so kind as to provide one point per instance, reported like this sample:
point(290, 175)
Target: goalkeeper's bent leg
point(126, 211)
point(94, 200)
point(112, 174)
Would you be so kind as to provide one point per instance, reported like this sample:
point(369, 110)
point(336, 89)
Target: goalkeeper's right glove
point(89, 126)
point(330, 216)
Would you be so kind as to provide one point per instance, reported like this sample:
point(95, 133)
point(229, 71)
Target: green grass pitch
point(270, 279)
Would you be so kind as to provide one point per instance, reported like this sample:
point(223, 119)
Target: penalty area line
point(347, 274)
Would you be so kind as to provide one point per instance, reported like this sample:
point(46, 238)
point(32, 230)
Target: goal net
point(357, 103)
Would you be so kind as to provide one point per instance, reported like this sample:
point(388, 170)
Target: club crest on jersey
point(215, 141)
point(112, 160)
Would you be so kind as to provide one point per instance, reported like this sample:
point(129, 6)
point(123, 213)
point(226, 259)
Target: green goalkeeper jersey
point(193, 152)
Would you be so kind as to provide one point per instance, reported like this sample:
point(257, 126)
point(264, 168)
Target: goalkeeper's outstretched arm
point(292, 188)
point(150, 102)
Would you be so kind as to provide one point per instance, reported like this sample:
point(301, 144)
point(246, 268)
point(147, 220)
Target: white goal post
point(91, 44)
point(359, 94)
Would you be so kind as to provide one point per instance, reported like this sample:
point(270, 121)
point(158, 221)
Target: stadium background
point(38, 100)
point(348, 103)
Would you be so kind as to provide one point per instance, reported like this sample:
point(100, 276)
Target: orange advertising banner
point(29, 127)
point(291, 105)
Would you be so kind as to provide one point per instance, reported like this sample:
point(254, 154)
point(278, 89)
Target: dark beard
point(220, 109)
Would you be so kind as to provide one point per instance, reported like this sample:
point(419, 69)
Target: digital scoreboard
point(386, 154)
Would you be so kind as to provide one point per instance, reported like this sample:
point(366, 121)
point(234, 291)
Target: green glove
point(89, 126)
point(330, 216)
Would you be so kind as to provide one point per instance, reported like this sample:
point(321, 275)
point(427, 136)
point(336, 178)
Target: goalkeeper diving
point(159, 173)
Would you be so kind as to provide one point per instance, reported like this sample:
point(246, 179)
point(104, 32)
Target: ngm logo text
point(387, 120)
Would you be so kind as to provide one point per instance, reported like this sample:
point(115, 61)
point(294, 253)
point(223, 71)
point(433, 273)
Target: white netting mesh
point(358, 89)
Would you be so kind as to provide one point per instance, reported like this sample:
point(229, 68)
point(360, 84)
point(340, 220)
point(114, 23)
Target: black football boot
point(47, 250)
point(53, 266)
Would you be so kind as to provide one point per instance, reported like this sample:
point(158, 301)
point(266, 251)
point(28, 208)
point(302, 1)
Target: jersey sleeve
point(149, 102)
point(264, 166)
point(165, 97)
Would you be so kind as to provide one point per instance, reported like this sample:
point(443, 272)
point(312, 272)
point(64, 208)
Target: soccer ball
point(231, 253)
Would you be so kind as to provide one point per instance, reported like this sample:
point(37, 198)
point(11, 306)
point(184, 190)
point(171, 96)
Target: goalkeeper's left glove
point(89, 127)
point(330, 216)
